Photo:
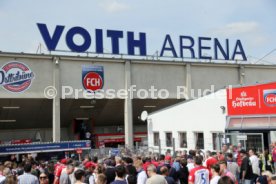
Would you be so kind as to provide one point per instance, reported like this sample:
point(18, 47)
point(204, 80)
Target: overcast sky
point(251, 21)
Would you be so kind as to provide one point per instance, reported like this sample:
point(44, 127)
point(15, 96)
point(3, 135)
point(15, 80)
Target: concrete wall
point(42, 68)
point(46, 134)
point(144, 74)
point(204, 76)
point(71, 74)
point(255, 74)
point(161, 76)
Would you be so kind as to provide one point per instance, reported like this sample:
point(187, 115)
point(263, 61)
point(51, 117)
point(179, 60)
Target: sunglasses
point(43, 177)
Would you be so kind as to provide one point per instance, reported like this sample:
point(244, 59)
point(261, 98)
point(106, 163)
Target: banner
point(259, 99)
point(93, 77)
point(44, 147)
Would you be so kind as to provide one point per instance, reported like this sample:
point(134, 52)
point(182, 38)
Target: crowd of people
point(232, 165)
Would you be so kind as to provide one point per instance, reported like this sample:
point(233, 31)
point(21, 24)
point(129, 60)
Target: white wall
point(200, 115)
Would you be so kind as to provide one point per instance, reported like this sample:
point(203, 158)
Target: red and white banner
point(252, 100)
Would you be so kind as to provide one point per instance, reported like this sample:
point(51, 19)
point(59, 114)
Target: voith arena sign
point(137, 43)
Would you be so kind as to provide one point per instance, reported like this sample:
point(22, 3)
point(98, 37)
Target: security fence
point(245, 140)
point(121, 151)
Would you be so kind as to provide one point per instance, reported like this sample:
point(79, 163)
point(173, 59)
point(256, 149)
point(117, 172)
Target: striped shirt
point(27, 178)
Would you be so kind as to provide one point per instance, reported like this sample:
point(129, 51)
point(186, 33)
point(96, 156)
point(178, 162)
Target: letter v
point(51, 43)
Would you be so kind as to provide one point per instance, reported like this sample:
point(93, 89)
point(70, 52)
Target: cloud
point(113, 6)
point(238, 28)
point(250, 31)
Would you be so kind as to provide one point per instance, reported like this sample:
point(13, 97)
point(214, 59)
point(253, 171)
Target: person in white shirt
point(255, 163)
point(190, 164)
point(142, 175)
point(27, 177)
point(215, 174)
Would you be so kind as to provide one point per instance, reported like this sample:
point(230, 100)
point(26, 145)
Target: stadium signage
point(252, 100)
point(92, 77)
point(44, 147)
point(270, 97)
point(16, 76)
point(186, 47)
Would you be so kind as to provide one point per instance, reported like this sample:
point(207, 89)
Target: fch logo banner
point(270, 97)
point(92, 77)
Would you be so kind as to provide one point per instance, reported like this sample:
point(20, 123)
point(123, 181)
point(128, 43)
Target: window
point(169, 139)
point(199, 140)
point(182, 139)
point(215, 139)
point(156, 138)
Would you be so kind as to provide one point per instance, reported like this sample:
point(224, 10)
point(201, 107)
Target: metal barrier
point(102, 153)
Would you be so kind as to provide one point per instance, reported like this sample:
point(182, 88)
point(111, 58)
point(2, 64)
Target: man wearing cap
point(59, 167)
point(89, 177)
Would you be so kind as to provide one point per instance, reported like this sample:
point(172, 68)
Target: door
point(245, 140)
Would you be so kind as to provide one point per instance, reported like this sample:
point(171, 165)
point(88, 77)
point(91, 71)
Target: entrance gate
point(247, 140)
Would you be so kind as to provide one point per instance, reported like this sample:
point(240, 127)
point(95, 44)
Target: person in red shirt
point(59, 169)
point(199, 174)
point(220, 156)
point(211, 160)
point(239, 159)
point(147, 162)
point(154, 162)
point(238, 155)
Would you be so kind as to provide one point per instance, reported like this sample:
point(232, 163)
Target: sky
point(251, 21)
